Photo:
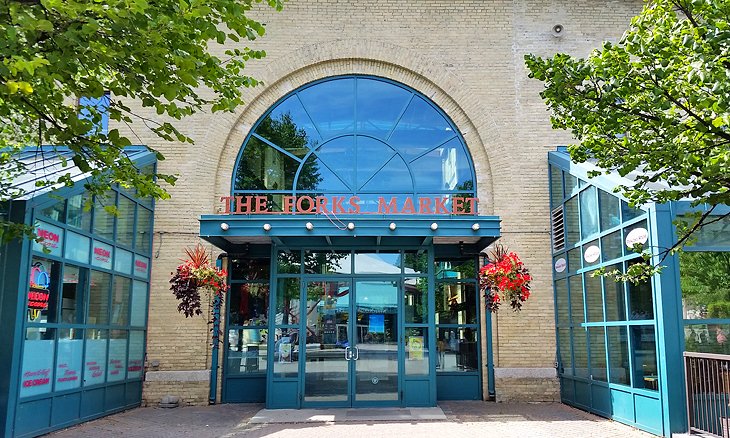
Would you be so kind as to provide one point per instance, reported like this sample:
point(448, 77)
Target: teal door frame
point(352, 376)
point(288, 392)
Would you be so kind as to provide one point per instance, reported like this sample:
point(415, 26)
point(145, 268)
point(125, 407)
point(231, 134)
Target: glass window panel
point(628, 213)
point(74, 285)
point(246, 351)
point(705, 284)
point(287, 118)
point(125, 221)
point(421, 128)
point(611, 246)
point(77, 247)
point(572, 220)
point(122, 261)
point(104, 220)
point(37, 366)
point(394, 177)
point(315, 175)
point(456, 303)
point(143, 239)
point(580, 352)
point(556, 186)
point(57, 211)
point(383, 262)
point(636, 234)
point(286, 352)
point(618, 355)
point(249, 268)
point(641, 302)
point(79, 215)
point(707, 338)
point(455, 268)
point(69, 361)
point(576, 300)
point(337, 156)
point(581, 183)
point(139, 304)
point(116, 367)
point(379, 104)
point(287, 301)
point(416, 262)
point(415, 300)
point(52, 239)
point(588, 212)
point(135, 363)
point(102, 255)
point(289, 262)
point(599, 369)
point(610, 210)
point(574, 260)
point(457, 348)
point(643, 342)
point(372, 155)
point(327, 262)
point(43, 290)
point(416, 350)
point(338, 115)
point(594, 297)
point(571, 184)
point(561, 296)
point(615, 299)
point(566, 362)
point(249, 304)
point(713, 234)
point(141, 267)
point(95, 356)
point(445, 168)
point(120, 300)
point(98, 305)
point(591, 254)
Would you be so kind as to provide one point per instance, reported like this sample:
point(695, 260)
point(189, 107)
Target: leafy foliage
point(656, 105)
point(705, 281)
point(156, 53)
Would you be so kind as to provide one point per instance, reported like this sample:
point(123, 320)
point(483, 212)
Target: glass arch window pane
point(393, 177)
point(378, 106)
point(264, 168)
point(337, 155)
point(315, 175)
point(372, 155)
point(290, 114)
point(421, 128)
point(444, 168)
point(338, 115)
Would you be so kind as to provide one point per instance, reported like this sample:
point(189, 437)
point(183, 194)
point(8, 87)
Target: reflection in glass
point(707, 338)
point(393, 177)
point(103, 219)
point(571, 184)
point(246, 351)
point(561, 296)
point(415, 262)
point(705, 284)
point(611, 246)
point(415, 300)
point(444, 168)
point(457, 348)
point(337, 156)
point(142, 240)
point(598, 353)
point(57, 211)
point(99, 290)
point(594, 297)
point(456, 303)
point(125, 221)
point(643, 342)
point(74, 283)
point(250, 268)
point(588, 212)
point(556, 186)
point(580, 352)
point(420, 128)
point(383, 262)
point(78, 216)
point(572, 220)
point(618, 355)
point(566, 362)
point(610, 210)
point(249, 304)
point(287, 301)
point(264, 168)
point(715, 233)
point(576, 300)
point(615, 300)
point(289, 262)
point(628, 213)
point(455, 268)
point(290, 113)
point(574, 260)
point(338, 115)
point(327, 262)
point(120, 300)
point(372, 155)
point(379, 104)
point(641, 302)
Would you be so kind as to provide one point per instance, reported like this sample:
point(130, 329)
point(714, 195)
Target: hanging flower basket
point(196, 274)
point(504, 279)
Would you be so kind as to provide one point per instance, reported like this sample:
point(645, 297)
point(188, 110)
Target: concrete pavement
point(464, 419)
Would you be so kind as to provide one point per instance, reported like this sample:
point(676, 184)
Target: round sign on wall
point(592, 254)
point(637, 235)
point(560, 265)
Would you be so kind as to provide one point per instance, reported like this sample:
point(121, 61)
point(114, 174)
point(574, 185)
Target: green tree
point(705, 279)
point(154, 53)
point(655, 105)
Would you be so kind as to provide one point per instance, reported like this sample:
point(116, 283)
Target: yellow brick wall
point(465, 55)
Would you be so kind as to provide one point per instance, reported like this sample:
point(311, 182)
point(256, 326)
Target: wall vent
point(557, 229)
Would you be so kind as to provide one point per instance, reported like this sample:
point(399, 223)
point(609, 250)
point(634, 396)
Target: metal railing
point(707, 377)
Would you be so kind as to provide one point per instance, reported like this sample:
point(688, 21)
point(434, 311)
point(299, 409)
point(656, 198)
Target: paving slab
point(274, 416)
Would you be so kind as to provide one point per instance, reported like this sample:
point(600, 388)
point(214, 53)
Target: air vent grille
point(558, 229)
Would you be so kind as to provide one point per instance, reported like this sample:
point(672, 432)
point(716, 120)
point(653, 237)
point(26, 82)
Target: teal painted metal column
point(215, 338)
point(669, 323)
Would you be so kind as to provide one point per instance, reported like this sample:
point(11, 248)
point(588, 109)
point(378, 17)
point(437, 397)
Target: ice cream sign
point(38, 291)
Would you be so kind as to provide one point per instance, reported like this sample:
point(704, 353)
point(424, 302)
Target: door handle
point(348, 353)
point(357, 353)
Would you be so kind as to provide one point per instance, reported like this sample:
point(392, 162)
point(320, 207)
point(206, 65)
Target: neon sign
point(38, 293)
point(438, 205)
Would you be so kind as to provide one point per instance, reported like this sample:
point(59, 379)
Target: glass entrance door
point(351, 354)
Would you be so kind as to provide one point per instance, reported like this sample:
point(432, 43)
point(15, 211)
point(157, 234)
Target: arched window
point(354, 136)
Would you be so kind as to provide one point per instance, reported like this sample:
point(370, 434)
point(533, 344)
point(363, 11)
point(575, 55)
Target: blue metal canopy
point(470, 233)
